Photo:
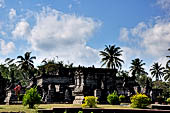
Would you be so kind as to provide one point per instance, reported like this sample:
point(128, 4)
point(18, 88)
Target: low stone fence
point(101, 110)
point(158, 106)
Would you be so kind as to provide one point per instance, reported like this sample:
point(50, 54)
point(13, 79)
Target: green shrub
point(140, 100)
point(122, 98)
point(90, 101)
point(168, 100)
point(80, 112)
point(160, 99)
point(113, 98)
point(31, 97)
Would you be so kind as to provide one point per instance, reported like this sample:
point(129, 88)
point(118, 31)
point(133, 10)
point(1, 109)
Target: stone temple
point(70, 85)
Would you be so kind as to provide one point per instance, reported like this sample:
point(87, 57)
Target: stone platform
point(159, 106)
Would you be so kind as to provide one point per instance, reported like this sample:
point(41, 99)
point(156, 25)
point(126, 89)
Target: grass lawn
point(21, 108)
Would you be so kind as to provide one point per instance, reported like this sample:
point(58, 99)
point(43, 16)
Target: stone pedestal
point(11, 97)
point(97, 93)
point(50, 96)
point(78, 100)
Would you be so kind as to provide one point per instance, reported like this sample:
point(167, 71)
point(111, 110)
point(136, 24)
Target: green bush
point(90, 101)
point(31, 97)
point(122, 98)
point(140, 100)
point(160, 99)
point(113, 98)
point(168, 100)
point(80, 112)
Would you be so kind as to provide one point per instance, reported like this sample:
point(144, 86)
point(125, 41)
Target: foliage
point(113, 98)
point(167, 74)
point(137, 68)
point(157, 71)
point(162, 85)
point(31, 97)
point(168, 62)
point(142, 80)
point(11, 72)
point(123, 73)
point(140, 100)
point(90, 101)
point(111, 56)
point(122, 98)
point(168, 100)
point(160, 99)
point(49, 66)
point(26, 64)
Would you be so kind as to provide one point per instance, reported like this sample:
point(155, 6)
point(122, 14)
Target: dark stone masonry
point(71, 85)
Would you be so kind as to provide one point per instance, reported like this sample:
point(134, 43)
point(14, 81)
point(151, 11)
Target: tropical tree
point(123, 73)
point(167, 71)
point(168, 63)
point(26, 63)
point(111, 57)
point(137, 67)
point(11, 72)
point(167, 74)
point(11, 68)
point(157, 71)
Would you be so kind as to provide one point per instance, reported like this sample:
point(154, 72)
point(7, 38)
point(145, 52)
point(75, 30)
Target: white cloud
point(124, 34)
point(6, 48)
point(151, 42)
point(65, 36)
point(77, 1)
point(12, 13)
point(156, 39)
point(70, 6)
point(128, 55)
point(3, 33)
point(138, 30)
point(2, 3)
point(164, 4)
point(21, 30)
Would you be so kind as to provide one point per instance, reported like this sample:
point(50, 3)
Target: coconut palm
point(111, 57)
point(157, 71)
point(137, 68)
point(26, 63)
point(168, 63)
point(167, 70)
point(167, 74)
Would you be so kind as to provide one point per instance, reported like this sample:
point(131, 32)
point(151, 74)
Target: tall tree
point(167, 70)
point(11, 72)
point(111, 57)
point(26, 62)
point(137, 67)
point(168, 62)
point(157, 71)
point(167, 74)
point(123, 73)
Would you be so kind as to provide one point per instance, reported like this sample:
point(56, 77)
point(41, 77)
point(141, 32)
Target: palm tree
point(168, 63)
point(137, 68)
point(123, 73)
point(167, 70)
point(26, 62)
point(167, 74)
point(111, 56)
point(157, 71)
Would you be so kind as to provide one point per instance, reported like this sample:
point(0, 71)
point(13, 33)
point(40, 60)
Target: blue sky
point(76, 30)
